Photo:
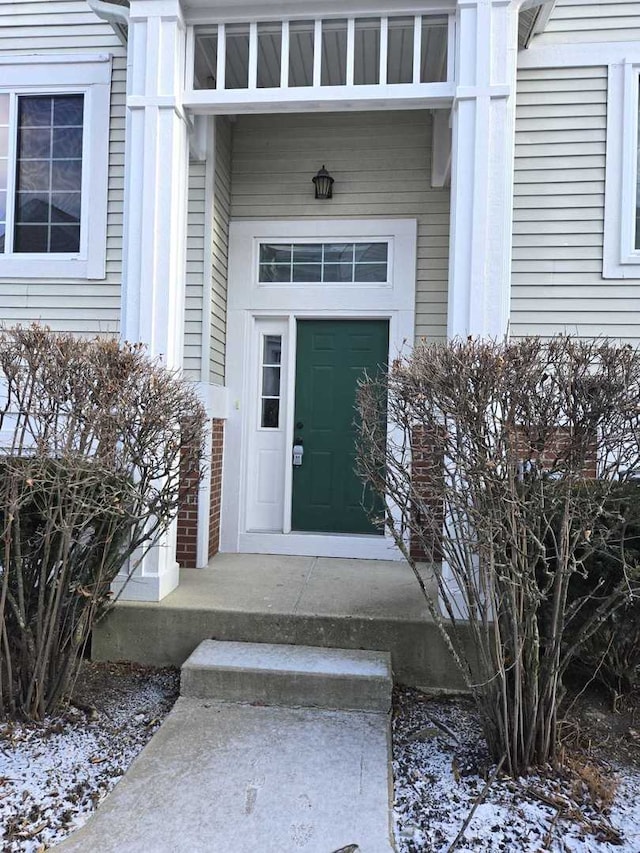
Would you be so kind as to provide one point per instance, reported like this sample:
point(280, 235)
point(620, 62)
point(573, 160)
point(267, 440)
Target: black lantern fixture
point(323, 183)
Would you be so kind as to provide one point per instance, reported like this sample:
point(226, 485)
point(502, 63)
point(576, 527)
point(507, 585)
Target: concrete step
point(290, 676)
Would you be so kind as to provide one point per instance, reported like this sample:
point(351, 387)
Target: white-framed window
point(54, 153)
point(306, 262)
point(270, 381)
point(621, 248)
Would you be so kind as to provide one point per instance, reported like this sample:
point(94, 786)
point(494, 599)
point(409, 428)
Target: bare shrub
point(507, 496)
point(91, 434)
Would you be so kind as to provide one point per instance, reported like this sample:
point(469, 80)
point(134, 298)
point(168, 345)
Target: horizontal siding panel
point(220, 250)
point(575, 21)
point(557, 283)
point(557, 163)
point(538, 134)
point(195, 272)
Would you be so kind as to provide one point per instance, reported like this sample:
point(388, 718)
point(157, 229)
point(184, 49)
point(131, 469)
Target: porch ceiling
point(246, 10)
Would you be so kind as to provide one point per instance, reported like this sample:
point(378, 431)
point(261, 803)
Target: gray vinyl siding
point(592, 21)
point(557, 283)
point(220, 249)
point(381, 163)
point(87, 307)
point(194, 295)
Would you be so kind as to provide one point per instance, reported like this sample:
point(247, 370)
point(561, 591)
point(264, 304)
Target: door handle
point(298, 452)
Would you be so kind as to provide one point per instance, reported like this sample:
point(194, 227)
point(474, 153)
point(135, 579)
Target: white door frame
point(248, 301)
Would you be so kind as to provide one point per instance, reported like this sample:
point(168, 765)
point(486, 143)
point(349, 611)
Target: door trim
point(248, 302)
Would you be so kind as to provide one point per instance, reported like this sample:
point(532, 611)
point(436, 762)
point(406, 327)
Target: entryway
point(313, 305)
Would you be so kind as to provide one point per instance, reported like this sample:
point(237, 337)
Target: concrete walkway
point(238, 778)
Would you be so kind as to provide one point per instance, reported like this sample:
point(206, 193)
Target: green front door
point(331, 357)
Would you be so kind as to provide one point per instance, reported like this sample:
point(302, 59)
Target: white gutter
point(116, 15)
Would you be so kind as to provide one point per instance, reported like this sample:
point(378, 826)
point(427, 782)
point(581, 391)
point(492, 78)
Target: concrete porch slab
point(312, 601)
point(217, 778)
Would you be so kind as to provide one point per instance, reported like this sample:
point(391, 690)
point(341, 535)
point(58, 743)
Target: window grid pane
point(49, 174)
point(4, 155)
point(270, 388)
point(329, 263)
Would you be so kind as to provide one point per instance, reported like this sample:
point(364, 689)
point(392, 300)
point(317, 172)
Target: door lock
point(298, 452)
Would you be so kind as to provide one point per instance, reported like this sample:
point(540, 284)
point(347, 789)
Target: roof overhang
point(534, 17)
point(278, 10)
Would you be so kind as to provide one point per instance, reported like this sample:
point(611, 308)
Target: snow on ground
point(441, 766)
point(53, 775)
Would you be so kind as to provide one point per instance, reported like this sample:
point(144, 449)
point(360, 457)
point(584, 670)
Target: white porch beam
point(156, 166)
point(483, 129)
point(320, 98)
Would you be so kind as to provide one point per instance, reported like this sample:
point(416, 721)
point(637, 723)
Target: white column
point(483, 123)
point(155, 204)
point(482, 162)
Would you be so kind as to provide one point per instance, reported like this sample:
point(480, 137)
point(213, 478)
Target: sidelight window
point(271, 375)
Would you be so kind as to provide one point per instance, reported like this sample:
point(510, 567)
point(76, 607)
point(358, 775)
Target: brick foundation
point(428, 467)
point(187, 541)
point(427, 471)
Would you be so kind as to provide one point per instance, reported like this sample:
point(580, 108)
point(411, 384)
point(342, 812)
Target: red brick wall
point(427, 472)
point(216, 486)
point(187, 543)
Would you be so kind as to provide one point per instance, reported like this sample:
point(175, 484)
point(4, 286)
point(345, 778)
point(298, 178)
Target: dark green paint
point(331, 357)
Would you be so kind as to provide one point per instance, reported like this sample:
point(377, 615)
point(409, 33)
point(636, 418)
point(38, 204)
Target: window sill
point(47, 267)
point(621, 269)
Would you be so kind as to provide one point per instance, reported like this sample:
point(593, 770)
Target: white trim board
point(235, 11)
point(62, 74)
point(589, 54)
point(620, 257)
point(249, 303)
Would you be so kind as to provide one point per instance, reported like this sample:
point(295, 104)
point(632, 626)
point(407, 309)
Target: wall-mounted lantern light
point(324, 184)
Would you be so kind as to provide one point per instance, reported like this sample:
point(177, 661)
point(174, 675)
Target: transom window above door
point(328, 263)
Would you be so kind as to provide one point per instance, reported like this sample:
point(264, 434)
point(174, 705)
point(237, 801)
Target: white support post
point(417, 49)
point(156, 167)
point(253, 55)
point(284, 56)
point(221, 62)
point(317, 53)
point(483, 127)
point(483, 141)
point(351, 51)
point(384, 49)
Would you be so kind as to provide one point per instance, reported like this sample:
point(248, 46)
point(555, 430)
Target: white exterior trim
point(57, 75)
point(155, 217)
point(587, 54)
point(249, 301)
point(482, 169)
point(242, 11)
point(397, 96)
point(620, 257)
